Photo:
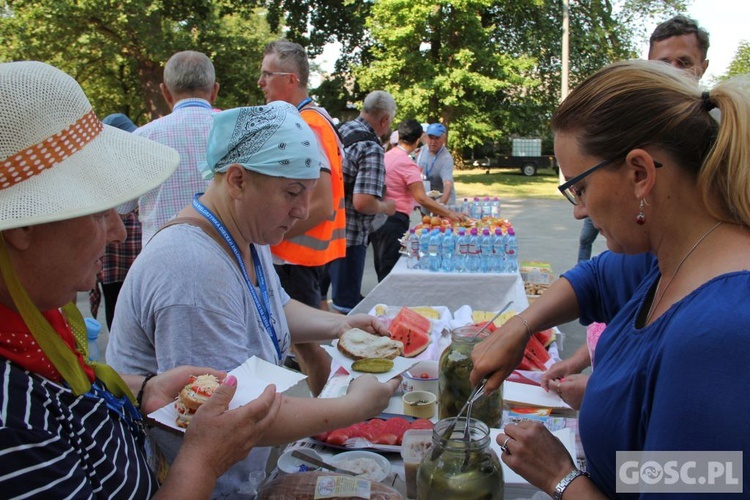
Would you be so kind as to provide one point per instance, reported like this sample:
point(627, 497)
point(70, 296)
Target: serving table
point(414, 287)
point(417, 287)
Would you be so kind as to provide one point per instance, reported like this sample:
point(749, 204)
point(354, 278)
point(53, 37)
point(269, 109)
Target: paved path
point(546, 232)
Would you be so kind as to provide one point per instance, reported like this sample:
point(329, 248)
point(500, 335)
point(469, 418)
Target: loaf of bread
point(302, 486)
point(358, 344)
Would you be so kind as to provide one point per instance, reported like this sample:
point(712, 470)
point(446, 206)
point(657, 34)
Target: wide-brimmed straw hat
point(57, 160)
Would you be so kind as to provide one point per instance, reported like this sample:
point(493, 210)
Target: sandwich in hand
point(193, 395)
point(358, 344)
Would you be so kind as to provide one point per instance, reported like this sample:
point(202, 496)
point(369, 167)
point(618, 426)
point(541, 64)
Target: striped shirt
point(364, 173)
point(54, 444)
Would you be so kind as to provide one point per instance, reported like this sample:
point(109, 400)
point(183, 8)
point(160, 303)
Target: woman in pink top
point(403, 180)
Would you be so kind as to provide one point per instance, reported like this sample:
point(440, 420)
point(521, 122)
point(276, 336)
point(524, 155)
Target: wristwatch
point(565, 482)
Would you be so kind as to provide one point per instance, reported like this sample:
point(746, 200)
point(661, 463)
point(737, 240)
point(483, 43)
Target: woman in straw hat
point(205, 289)
point(657, 170)
point(68, 427)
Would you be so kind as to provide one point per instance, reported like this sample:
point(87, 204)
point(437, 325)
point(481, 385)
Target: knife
point(319, 463)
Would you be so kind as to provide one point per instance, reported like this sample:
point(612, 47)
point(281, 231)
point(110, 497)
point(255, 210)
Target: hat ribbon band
point(46, 154)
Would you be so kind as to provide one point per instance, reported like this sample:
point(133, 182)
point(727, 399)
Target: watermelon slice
point(545, 337)
point(412, 330)
point(534, 356)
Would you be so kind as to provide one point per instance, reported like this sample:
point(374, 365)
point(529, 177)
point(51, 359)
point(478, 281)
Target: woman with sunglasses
point(670, 181)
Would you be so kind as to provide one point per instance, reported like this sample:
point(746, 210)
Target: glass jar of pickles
point(454, 386)
point(459, 468)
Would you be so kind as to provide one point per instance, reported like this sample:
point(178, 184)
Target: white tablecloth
point(415, 287)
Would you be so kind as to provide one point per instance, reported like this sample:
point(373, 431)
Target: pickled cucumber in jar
point(455, 386)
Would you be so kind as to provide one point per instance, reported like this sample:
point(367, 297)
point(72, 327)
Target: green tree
point(116, 49)
point(491, 70)
point(740, 65)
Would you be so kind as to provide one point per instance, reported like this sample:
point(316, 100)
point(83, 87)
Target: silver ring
point(504, 446)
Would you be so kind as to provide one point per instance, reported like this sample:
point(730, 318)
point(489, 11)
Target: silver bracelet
point(565, 482)
point(525, 323)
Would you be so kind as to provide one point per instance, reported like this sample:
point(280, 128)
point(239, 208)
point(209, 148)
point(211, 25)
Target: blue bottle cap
point(93, 328)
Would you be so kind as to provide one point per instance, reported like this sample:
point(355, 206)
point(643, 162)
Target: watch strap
point(565, 482)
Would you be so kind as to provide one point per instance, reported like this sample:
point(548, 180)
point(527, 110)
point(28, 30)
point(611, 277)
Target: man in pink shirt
point(403, 180)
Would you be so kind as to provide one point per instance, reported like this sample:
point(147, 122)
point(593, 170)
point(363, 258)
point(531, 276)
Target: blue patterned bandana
point(272, 140)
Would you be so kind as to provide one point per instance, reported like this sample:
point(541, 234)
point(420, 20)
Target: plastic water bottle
point(472, 258)
point(511, 252)
point(485, 251)
point(436, 238)
point(462, 250)
point(448, 252)
point(466, 207)
point(495, 208)
point(424, 249)
point(93, 328)
point(412, 247)
point(486, 207)
point(498, 251)
point(475, 210)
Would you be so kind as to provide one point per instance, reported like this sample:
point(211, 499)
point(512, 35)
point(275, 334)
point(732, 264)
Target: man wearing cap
point(190, 88)
point(314, 242)
point(436, 163)
point(364, 187)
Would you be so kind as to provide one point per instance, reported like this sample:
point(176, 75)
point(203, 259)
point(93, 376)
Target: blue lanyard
point(264, 308)
point(428, 170)
point(304, 103)
point(192, 103)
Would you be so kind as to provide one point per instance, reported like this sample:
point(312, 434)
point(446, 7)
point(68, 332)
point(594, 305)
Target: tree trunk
point(150, 76)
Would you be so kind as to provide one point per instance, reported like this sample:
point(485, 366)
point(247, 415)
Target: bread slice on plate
point(359, 344)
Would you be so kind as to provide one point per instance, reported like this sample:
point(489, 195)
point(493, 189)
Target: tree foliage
point(740, 65)
point(116, 49)
point(491, 70)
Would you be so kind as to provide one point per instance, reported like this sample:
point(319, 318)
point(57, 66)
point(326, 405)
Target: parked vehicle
point(526, 155)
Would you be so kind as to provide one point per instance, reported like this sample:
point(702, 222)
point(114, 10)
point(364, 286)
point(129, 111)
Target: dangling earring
point(640, 219)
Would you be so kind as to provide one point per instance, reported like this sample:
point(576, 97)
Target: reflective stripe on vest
point(326, 241)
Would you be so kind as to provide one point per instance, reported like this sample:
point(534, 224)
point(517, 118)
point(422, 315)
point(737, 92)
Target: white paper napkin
point(531, 395)
point(400, 363)
point(253, 376)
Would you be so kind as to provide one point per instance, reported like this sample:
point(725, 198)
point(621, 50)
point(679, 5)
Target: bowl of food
point(423, 376)
point(289, 464)
point(420, 404)
point(367, 464)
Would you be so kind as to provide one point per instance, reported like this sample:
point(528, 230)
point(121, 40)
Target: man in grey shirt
point(436, 163)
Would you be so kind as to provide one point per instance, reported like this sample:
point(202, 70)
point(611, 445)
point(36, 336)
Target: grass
point(505, 183)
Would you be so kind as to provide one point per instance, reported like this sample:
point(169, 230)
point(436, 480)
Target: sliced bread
point(358, 344)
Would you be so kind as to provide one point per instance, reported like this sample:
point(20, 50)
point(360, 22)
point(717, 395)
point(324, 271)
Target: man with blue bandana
point(205, 289)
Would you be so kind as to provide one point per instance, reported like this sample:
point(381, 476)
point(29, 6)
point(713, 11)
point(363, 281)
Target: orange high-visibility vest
point(326, 241)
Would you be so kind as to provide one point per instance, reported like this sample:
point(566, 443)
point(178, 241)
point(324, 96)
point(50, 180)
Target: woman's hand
point(370, 396)
point(164, 388)
point(559, 370)
point(365, 322)
point(218, 438)
point(534, 453)
point(499, 354)
point(456, 216)
point(571, 389)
